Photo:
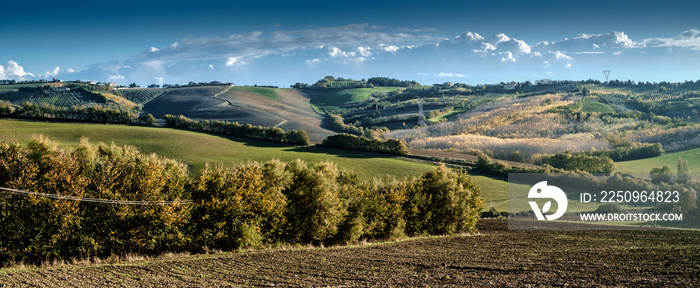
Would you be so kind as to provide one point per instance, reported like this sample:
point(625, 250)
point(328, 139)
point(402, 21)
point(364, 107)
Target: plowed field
point(495, 257)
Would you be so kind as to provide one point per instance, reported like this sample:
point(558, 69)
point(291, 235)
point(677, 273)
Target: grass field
point(333, 100)
point(670, 159)
point(448, 115)
point(264, 91)
point(15, 87)
point(197, 149)
point(597, 107)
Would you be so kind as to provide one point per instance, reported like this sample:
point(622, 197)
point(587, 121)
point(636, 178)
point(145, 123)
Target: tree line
point(275, 134)
point(352, 142)
point(90, 114)
point(244, 206)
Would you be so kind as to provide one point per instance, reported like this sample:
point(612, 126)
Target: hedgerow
point(276, 134)
point(247, 205)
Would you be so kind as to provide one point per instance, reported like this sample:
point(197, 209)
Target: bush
point(581, 162)
point(315, 210)
point(236, 208)
point(443, 202)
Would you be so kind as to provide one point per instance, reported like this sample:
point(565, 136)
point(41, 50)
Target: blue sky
point(283, 42)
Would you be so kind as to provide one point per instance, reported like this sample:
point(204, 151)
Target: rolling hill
point(670, 159)
point(198, 149)
point(258, 106)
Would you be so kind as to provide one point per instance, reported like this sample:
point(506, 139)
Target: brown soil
point(496, 257)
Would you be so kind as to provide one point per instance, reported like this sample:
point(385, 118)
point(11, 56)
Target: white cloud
point(52, 73)
point(70, 70)
point(617, 53)
point(391, 48)
point(160, 80)
point(507, 56)
point(364, 51)
point(344, 38)
point(12, 70)
point(230, 61)
point(560, 55)
point(568, 65)
point(153, 49)
point(469, 37)
point(116, 77)
point(451, 75)
point(498, 38)
point(485, 47)
point(688, 39)
point(211, 66)
point(546, 64)
point(155, 65)
point(589, 52)
point(336, 52)
point(314, 61)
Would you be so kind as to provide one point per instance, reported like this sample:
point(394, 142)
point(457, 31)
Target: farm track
point(496, 257)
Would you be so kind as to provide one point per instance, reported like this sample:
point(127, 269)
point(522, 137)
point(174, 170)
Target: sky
point(285, 42)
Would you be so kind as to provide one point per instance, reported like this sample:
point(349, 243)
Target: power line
point(94, 200)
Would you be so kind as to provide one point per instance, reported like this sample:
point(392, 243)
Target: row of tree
point(92, 113)
point(249, 205)
point(580, 162)
point(274, 134)
point(352, 142)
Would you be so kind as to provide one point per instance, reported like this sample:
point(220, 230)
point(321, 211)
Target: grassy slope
point(448, 115)
point(333, 100)
point(671, 159)
point(264, 91)
point(119, 99)
point(592, 106)
point(197, 149)
point(15, 87)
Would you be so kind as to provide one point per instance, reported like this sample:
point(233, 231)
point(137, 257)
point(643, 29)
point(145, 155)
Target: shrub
point(314, 211)
point(443, 202)
point(236, 208)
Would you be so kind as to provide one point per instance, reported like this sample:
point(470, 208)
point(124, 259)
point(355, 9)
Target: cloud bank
point(365, 51)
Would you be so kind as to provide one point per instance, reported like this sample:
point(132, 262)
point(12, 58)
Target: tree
point(133, 85)
point(661, 174)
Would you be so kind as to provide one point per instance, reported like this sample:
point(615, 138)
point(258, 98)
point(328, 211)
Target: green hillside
point(671, 159)
point(333, 100)
point(264, 91)
point(197, 149)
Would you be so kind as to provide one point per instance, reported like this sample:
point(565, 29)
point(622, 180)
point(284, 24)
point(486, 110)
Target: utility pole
point(606, 73)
